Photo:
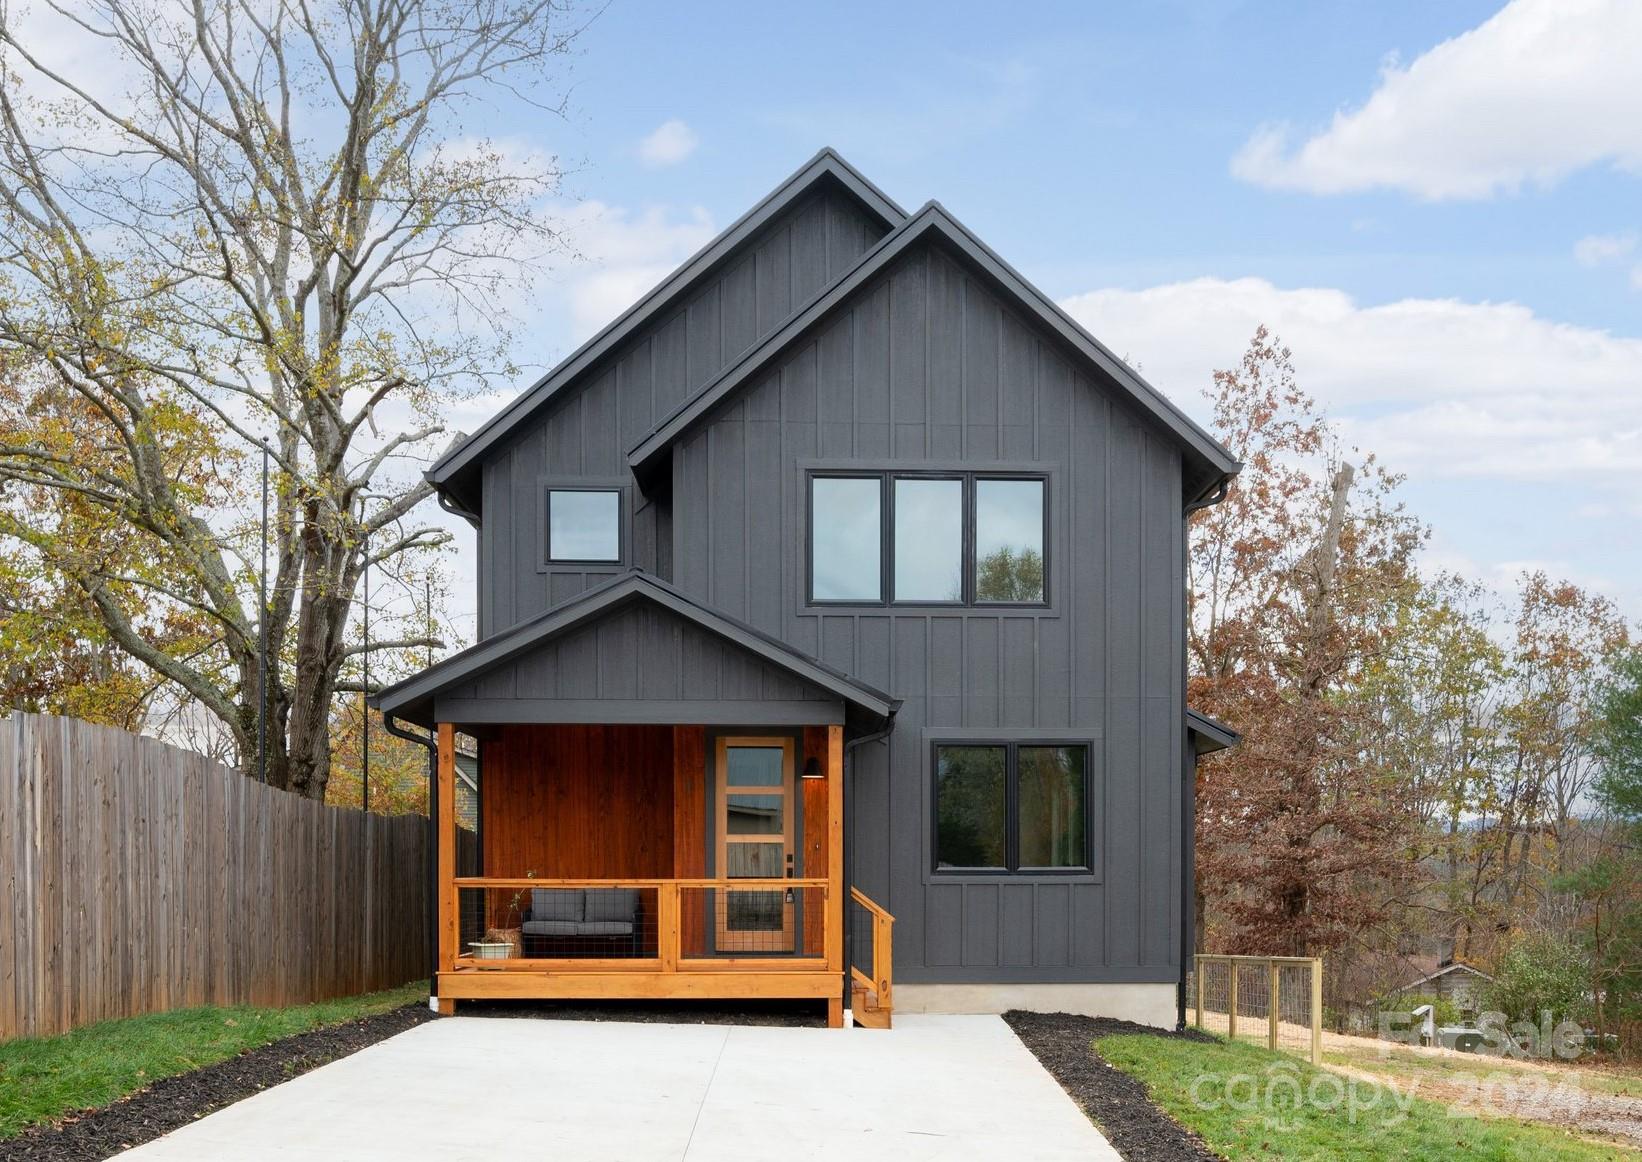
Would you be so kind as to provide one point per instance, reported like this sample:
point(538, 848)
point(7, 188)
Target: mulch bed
point(1116, 1102)
point(793, 1014)
point(173, 1102)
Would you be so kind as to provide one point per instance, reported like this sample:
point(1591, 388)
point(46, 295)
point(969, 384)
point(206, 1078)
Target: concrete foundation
point(1146, 1004)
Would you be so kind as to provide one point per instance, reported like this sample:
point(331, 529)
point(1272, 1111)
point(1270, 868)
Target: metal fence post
point(1197, 971)
point(1231, 1009)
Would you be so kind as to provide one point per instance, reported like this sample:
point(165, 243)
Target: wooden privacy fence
point(137, 877)
point(1276, 1001)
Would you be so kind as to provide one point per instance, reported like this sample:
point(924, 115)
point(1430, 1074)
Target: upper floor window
point(583, 525)
point(927, 538)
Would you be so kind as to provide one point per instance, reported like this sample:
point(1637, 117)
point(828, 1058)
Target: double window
point(927, 538)
point(1011, 807)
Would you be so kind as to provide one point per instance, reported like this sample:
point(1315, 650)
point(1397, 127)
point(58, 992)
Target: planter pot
point(491, 950)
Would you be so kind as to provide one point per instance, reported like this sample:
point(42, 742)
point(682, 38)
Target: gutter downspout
point(850, 748)
point(393, 727)
point(1188, 773)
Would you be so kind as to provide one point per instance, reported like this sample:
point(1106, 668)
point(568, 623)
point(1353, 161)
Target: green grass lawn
point(43, 1078)
point(1375, 1057)
point(1248, 1102)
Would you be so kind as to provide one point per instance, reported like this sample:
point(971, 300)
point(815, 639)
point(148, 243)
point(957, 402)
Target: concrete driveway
point(934, 1087)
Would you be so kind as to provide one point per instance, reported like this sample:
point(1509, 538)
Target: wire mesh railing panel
point(764, 921)
point(1270, 1001)
point(558, 923)
point(860, 921)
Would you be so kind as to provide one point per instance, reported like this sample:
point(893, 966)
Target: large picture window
point(1011, 807)
point(928, 538)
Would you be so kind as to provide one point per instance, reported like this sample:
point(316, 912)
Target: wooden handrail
point(882, 981)
point(669, 956)
point(767, 884)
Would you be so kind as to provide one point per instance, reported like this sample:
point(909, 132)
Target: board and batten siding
point(927, 366)
point(637, 664)
point(587, 433)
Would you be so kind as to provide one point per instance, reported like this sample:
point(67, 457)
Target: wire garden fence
point(1275, 1001)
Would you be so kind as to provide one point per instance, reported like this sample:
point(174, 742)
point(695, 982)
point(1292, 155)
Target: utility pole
point(365, 694)
point(262, 634)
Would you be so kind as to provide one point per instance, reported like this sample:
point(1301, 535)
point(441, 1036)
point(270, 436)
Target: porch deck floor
point(934, 1087)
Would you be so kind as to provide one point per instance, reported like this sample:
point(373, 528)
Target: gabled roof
point(826, 166)
point(1444, 971)
point(1210, 734)
point(1213, 461)
point(413, 698)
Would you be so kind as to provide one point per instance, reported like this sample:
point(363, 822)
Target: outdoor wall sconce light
point(812, 768)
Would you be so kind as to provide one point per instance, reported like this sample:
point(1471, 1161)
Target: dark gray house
point(831, 617)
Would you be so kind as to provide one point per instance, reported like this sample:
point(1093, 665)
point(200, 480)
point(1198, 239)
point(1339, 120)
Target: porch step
point(864, 1005)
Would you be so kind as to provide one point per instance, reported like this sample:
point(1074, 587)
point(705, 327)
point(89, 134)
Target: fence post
point(1197, 973)
point(667, 924)
point(1316, 1010)
point(1272, 1006)
point(1231, 1008)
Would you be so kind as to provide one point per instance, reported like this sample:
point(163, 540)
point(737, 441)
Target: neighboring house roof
point(413, 698)
point(1210, 734)
point(1213, 462)
point(1444, 971)
point(825, 166)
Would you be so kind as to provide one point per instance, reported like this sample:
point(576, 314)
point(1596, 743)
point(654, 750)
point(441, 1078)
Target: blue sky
point(1436, 205)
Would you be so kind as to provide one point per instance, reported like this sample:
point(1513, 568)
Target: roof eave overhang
point(1210, 734)
point(447, 473)
point(413, 699)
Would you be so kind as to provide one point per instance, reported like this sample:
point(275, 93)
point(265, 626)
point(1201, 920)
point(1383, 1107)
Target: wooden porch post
point(446, 841)
point(835, 872)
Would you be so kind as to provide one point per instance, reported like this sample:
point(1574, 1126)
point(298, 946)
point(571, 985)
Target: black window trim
point(1011, 781)
point(546, 488)
point(886, 478)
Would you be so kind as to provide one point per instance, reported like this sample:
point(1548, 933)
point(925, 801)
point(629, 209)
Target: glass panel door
point(753, 823)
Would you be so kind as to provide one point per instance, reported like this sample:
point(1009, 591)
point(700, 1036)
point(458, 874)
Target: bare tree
point(254, 220)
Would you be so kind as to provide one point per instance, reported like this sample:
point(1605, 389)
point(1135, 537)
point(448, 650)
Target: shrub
point(1541, 973)
point(1445, 1011)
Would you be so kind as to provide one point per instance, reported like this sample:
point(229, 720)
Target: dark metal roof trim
point(594, 603)
point(1212, 734)
point(933, 217)
point(825, 165)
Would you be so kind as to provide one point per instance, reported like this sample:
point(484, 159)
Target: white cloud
point(1436, 387)
point(670, 143)
point(626, 254)
point(1597, 249)
point(1541, 89)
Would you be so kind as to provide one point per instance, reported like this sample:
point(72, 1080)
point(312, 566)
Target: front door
point(753, 821)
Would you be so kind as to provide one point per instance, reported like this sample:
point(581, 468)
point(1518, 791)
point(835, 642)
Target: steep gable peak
point(454, 473)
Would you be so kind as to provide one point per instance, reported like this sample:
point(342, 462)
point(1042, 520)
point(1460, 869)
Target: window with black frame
point(584, 525)
point(928, 538)
point(1007, 807)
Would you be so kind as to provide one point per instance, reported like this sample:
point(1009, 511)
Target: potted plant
point(503, 941)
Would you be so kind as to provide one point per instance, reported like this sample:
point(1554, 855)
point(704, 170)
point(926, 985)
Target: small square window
point(584, 524)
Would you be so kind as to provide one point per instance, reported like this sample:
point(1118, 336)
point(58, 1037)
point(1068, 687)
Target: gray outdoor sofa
point(583, 922)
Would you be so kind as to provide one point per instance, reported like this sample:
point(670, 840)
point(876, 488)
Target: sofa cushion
point(611, 904)
point(551, 928)
point(557, 904)
point(604, 928)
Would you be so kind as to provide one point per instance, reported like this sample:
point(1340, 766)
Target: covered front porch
point(643, 861)
point(637, 797)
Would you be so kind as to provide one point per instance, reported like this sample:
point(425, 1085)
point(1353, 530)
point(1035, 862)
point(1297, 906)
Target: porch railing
point(871, 976)
point(642, 925)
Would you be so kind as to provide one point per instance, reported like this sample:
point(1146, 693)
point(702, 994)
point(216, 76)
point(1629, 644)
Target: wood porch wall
point(621, 801)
